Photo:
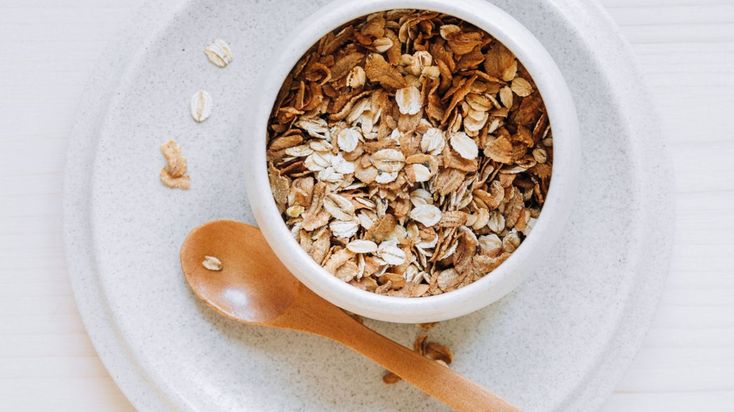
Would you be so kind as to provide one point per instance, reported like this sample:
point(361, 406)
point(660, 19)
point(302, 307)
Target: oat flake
point(362, 246)
point(212, 263)
point(432, 141)
point(348, 139)
point(409, 100)
point(219, 53)
point(429, 215)
point(464, 145)
point(201, 105)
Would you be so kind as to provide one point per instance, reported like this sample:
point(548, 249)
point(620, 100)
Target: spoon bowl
point(253, 286)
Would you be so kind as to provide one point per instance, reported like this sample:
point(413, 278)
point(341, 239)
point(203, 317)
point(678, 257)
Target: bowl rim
point(503, 279)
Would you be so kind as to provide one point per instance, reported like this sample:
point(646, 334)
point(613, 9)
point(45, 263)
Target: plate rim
point(627, 341)
point(142, 390)
point(126, 46)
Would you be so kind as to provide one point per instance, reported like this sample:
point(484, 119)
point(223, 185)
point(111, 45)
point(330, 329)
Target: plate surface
point(559, 342)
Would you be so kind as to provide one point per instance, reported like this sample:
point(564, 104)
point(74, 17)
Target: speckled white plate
point(559, 342)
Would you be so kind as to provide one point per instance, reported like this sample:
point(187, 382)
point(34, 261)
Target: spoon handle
point(427, 375)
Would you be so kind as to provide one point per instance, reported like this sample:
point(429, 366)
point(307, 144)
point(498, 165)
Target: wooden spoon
point(255, 288)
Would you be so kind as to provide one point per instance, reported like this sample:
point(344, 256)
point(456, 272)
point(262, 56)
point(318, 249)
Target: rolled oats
point(356, 77)
point(408, 100)
point(417, 173)
point(390, 253)
point(506, 97)
point(212, 263)
point(344, 228)
point(201, 106)
point(388, 160)
point(428, 215)
point(386, 177)
point(362, 246)
point(490, 245)
point(433, 141)
point(219, 53)
point(464, 145)
point(409, 154)
point(348, 139)
point(382, 44)
point(521, 87)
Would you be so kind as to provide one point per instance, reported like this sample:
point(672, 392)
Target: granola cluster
point(173, 174)
point(409, 153)
point(421, 345)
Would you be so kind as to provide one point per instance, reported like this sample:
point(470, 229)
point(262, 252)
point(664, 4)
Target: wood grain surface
point(48, 48)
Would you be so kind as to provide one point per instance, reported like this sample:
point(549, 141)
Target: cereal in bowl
point(409, 153)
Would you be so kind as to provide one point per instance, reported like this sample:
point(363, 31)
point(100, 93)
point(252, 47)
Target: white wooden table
point(49, 47)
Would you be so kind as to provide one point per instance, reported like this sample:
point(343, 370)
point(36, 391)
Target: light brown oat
point(521, 87)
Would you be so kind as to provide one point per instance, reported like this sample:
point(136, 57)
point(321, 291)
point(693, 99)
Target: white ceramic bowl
point(531, 253)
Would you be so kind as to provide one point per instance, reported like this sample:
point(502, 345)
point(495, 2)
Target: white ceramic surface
point(531, 254)
point(558, 342)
